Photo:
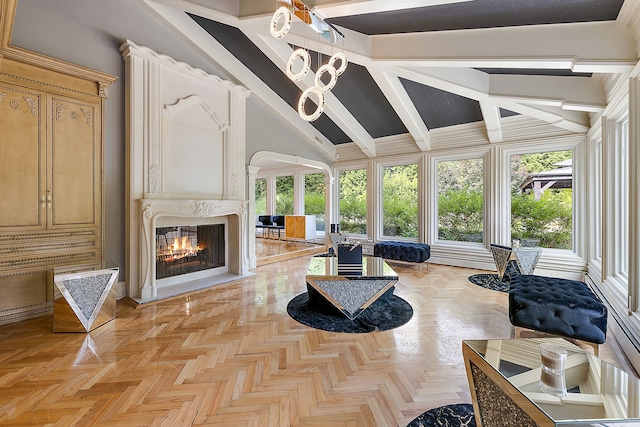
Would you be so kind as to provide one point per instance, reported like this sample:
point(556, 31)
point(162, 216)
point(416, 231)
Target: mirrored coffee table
point(504, 380)
point(350, 293)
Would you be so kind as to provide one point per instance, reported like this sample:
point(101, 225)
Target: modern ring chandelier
point(279, 28)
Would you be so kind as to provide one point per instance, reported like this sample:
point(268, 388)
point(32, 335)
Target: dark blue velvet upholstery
point(265, 220)
point(402, 251)
point(270, 222)
point(557, 306)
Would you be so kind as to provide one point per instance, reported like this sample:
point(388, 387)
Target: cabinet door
point(289, 226)
point(22, 158)
point(75, 163)
point(300, 227)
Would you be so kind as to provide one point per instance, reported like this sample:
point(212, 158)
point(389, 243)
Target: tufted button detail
point(403, 251)
point(557, 306)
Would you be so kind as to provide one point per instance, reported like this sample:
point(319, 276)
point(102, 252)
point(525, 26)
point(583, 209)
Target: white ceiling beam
point(591, 47)
point(492, 121)
point(210, 47)
point(326, 8)
point(397, 96)
point(349, 8)
point(474, 84)
point(570, 93)
point(279, 52)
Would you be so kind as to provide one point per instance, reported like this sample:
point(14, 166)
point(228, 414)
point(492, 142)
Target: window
point(314, 198)
point(542, 199)
point(284, 195)
point(400, 201)
point(261, 196)
point(460, 200)
point(353, 201)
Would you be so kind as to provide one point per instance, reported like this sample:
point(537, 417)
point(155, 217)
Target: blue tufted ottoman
point(557, 306)
point(402, 251)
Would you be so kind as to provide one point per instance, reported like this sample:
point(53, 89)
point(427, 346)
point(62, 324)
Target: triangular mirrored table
point(84, 300)
point(504, 380)
point(349, 293)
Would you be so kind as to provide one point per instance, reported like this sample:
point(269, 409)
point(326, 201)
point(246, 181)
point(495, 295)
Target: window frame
point(450, 247)
point(573, 210)
point(571, 143)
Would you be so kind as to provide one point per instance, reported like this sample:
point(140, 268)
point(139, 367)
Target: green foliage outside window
point(261, 196)
point(460, 215)
point(546, 222)
point(353, 201)
point(314, 198)
point(400, 201)
point(460, 200)
point(284, 195)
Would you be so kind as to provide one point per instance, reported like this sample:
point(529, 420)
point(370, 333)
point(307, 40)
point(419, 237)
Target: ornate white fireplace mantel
point(186, 151)
point(162, 212)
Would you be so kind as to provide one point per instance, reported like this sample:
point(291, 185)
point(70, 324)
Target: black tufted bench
point(402, 251)
point(557, 306)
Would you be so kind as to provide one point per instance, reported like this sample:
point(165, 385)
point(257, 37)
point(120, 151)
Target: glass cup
point(552, 380)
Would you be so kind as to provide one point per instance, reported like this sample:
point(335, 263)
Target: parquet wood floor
point(231, 356)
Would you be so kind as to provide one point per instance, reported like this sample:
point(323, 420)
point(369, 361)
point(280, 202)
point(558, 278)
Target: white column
point(330, 216)
point(426, 218)
point(497, 181)
point(634, 188)
point(608, 197)
point(374, 201)
point(298, 193)
point(251, 226)
point(271, 195)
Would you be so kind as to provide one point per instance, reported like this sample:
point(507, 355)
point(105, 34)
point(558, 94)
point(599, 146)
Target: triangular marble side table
point(85, 300)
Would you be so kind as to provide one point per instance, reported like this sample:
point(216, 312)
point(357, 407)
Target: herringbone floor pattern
point(231, 356)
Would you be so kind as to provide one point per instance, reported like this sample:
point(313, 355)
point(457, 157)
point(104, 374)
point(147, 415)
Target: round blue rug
point(491, 281)
point(459, 415)
point(384, 314)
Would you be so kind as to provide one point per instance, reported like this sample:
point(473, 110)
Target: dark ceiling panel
point(360, 94)
point(439, 108)
point(507, 113)
point(481, 14)
point(255, 60)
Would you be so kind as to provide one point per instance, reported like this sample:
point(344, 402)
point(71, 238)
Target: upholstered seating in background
point(402, 251)
point(270, 223)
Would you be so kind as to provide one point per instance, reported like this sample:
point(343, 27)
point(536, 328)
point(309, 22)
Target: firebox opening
point(188, 249)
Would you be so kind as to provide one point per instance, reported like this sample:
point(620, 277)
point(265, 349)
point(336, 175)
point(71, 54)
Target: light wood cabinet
point(300, 227)
point(51, 177)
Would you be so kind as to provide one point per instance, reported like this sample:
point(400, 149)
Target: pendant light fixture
point(280, 25)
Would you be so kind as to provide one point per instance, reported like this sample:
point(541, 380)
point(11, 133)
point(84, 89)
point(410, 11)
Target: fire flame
point(180, 248)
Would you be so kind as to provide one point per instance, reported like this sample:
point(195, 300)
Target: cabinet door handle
point(42, 201)
point(49, 198)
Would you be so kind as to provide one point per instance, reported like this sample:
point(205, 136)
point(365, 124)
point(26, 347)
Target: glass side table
point(504, 380)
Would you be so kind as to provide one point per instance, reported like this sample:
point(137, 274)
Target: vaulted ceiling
point(420, 65)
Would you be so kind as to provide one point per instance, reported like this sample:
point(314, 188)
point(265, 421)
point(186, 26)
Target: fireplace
point(187, 241)
point(186, 177)
point(187, 249)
